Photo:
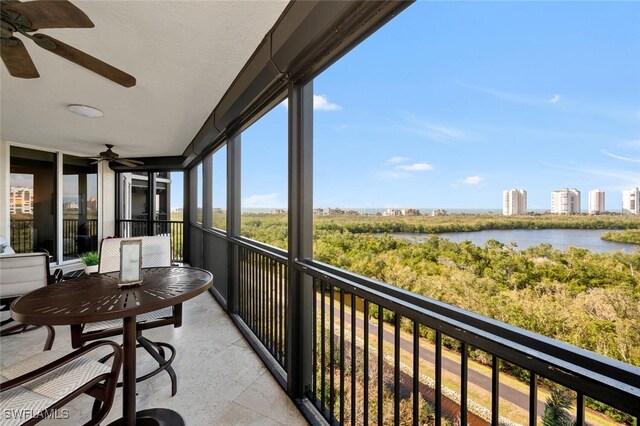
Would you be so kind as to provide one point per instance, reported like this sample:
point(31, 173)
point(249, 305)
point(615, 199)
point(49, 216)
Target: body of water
point(523, 238)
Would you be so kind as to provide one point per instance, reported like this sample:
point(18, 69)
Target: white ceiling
point(184, 55)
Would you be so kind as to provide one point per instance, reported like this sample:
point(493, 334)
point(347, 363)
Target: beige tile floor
point(221, 381)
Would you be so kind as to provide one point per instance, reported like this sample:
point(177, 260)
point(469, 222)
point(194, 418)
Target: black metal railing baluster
point(438, 375)
point(579, 409)
point(495, 390)
point(380, 362)
point(354, 334)
point(331, 354)
point(323, 360)
point(314, 339)
point(285, 272)
point(341, 356)
point(416, 373)
point(396, 368)
point(464, 382)
point(365, 379)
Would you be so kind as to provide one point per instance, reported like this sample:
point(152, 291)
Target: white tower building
point(596, 201)
point(514, 201)
point(565, 201)
point(631, 201)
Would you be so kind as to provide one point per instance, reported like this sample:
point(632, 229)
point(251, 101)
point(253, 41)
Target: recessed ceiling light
point(85, 111)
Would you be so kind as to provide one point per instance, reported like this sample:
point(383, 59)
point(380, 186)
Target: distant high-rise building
point(20, 200)
point(631, 201)
point(596, 201)
point(565, 201)
point(514, 201)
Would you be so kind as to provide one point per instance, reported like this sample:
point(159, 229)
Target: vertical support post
point(151, 202)
point(300, 295)
point(207, 187)
point(234, 157)
point(186, 216)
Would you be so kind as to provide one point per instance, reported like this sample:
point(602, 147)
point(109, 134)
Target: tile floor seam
point(259, 413)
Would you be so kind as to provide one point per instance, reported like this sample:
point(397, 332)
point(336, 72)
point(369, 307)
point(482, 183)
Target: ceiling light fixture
point(85, 111)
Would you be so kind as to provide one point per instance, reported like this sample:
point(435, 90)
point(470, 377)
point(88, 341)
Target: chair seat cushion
point(42, 392)
point(117, 323)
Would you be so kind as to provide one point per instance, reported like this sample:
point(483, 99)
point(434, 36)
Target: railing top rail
point(147, 220)
point(273, 253)
point(614, 382)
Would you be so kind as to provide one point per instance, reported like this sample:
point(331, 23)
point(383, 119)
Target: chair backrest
point(156, 251)
point(22, 273)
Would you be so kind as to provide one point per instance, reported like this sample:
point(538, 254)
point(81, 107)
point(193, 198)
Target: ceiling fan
point(26, 18)
point(110, 156)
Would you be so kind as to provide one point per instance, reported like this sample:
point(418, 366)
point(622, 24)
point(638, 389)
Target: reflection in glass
point(79, 206)
point(32, 202)
point(199, 197)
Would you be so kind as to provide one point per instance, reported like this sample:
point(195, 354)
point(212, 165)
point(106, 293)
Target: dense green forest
point(587, 299)
point(631, 236)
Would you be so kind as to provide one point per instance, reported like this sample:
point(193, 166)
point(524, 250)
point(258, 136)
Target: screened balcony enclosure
point(296, 330)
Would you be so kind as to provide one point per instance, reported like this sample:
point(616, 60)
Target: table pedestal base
point(154, 417)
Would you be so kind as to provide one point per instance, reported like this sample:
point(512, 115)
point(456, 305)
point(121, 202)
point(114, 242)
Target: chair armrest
point(115, 368)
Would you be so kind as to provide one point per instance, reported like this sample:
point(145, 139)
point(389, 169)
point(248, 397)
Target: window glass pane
point(199, 183)
point(219, 213)
point(177, 197)
point(32, 200)
point(79, 206)
point(264, 178)
point(136, 196)
point(162, 197)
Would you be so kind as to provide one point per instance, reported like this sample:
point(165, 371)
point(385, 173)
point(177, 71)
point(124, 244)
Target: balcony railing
point(262, 297)
point(74, 239)
point(383, 355)
point(22, 235)
point(143, 228)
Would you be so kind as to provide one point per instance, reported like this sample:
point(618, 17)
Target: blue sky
point(453, 102)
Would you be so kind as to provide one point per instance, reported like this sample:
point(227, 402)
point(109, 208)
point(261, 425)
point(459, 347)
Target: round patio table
point(97, 297)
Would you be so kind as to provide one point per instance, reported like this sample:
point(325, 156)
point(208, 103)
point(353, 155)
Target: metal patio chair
point(156, 252)
point(31, 389)
point(19, 275)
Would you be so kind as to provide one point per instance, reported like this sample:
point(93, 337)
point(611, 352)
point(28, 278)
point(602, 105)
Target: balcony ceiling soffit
point(183, 54)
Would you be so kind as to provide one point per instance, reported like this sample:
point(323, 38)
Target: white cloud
point(633, 144)
point(631, 178)
point(415, 167)
point(321, 103)
point(511, 97)
point(619, 157)
point(472, 180)
point(514, 97)
point(387, 175)
point(263, 201)
point(397, 160)
point(434, 131)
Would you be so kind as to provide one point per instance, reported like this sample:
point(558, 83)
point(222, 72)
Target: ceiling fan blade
point(84, 60)
point(131, 160)
point(17, 59)
point(128, 163)
point(51, 14)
